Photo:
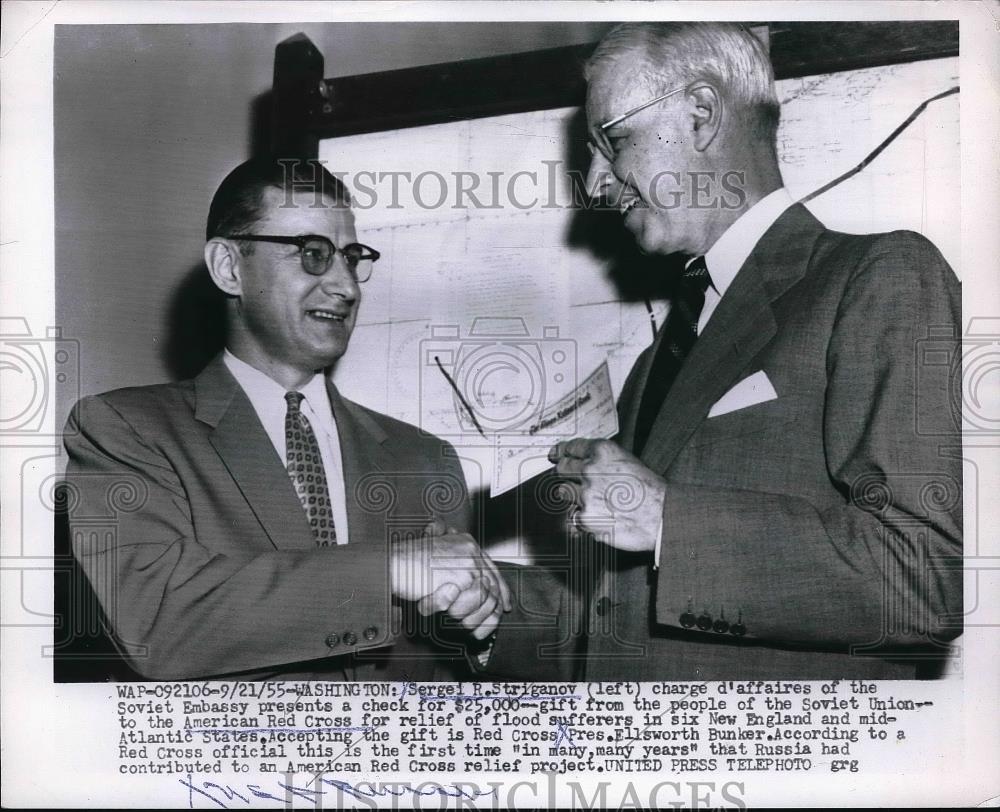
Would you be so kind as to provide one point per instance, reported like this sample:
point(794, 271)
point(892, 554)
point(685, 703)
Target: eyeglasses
point(598, 134)
point(317, 253)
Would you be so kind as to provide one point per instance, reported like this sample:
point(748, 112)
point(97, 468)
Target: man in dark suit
point(268, 527)
point(769, 509)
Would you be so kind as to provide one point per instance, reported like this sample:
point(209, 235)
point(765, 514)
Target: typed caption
point(237, 745)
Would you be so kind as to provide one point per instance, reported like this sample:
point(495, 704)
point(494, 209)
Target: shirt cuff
point(478, 653)
point(483, 658)
point(659, 541)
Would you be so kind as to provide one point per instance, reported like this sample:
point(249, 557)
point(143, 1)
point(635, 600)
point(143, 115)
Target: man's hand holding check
point(617, 497)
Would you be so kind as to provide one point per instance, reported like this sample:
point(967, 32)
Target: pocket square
point(750, 391)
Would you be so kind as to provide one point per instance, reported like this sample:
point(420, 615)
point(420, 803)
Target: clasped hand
point(616, 497)
point(447, 571)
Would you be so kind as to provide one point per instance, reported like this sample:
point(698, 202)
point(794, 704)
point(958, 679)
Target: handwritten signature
point(221, 795)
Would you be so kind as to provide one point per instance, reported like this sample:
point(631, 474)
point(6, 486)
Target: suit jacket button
point(738, 629)
point(333, 640)
point(603, 606)
point(687, 620)
point(350, 638)
point(705, 622)
point(371, 633)
point(721, 626)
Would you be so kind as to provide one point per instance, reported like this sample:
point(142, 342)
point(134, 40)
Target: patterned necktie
point(305, 468)
point(679, 334)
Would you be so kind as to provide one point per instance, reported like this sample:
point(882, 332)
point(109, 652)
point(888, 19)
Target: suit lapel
point(740, 327)
point(631, 395)
point(364, 451)
point(241, 442)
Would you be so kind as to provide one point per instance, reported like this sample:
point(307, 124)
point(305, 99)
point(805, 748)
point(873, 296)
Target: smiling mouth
point(327, 315)
point(627, 205)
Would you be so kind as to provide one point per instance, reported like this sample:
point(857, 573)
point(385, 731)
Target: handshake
point(447, 571)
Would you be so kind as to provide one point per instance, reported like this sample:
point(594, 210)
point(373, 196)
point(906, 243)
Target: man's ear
point(222, 258)
point(707, 111)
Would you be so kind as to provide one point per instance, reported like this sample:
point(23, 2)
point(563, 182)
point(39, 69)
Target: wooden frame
point(307, 108)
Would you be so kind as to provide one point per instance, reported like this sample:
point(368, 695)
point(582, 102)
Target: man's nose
point(600, 177)
point(339, 279)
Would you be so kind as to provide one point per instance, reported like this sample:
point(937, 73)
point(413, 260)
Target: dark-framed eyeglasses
point(599, 133)
point(317, 253)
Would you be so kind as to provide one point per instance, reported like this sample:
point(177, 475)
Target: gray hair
point(678, 53)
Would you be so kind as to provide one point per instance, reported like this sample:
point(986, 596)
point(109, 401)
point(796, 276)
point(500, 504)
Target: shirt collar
point(268, 396)
point(254, 382)
point(726, 257)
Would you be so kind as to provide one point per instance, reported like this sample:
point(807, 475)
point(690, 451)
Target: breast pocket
point(770, 418)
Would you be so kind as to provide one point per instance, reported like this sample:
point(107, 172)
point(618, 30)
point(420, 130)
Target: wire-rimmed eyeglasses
point(599, 133)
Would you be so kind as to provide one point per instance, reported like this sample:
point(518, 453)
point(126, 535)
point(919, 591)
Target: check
point(587, 411)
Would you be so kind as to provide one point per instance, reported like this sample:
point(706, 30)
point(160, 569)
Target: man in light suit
point(266, 526)
point(769, 509)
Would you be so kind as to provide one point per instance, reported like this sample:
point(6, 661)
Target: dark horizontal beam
point(452, 91)
point(538, 80)
point(807, 49)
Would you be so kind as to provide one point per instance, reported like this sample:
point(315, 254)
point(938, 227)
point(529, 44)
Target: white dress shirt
point(726, 257)
point(724, 260)
point(268, 399)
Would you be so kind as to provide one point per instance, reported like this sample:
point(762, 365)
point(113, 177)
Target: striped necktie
point(305, 468)
point(679, 334)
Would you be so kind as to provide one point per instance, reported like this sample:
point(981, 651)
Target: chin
point(325, 357)
point(653, 243)
point(329, 359)
point(653, 238)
